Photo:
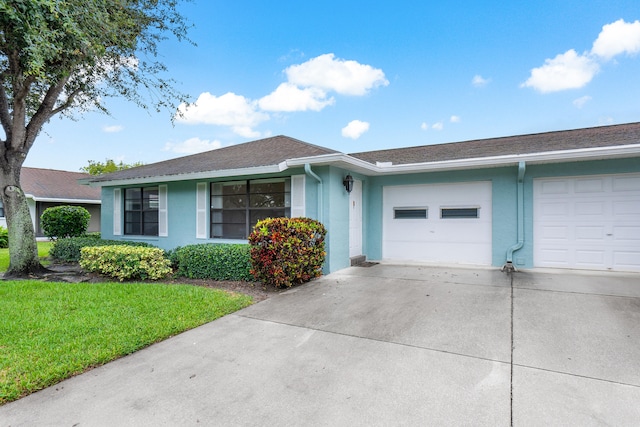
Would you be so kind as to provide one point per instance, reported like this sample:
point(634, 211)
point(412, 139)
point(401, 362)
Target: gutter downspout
point(308, 171)
point(509, 267)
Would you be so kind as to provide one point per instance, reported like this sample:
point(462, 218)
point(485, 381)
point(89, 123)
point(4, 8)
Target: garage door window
point(410, 213)
point(457, 213)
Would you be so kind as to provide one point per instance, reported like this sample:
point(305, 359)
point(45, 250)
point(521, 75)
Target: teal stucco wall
point(329, 203)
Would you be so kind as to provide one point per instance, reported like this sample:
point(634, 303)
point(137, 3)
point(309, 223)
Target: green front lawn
point(43, 253)
point(52, 331)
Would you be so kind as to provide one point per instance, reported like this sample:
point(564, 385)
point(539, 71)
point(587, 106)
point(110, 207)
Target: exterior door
point(355, 219)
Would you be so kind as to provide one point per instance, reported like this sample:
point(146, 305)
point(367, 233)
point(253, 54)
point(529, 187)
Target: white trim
point(298, 202)
point(117, 212)
point(163, 213)
point(201, 210)
point(62, 200)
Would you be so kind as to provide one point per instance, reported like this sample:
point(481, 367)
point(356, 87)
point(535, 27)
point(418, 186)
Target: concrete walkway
point(382, 346)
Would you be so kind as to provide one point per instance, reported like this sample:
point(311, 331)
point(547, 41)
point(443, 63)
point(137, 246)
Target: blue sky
point(360, 75)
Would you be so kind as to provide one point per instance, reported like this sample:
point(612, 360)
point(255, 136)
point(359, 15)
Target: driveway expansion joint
point(435, 350)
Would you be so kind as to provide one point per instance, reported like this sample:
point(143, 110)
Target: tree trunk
point(23, 249)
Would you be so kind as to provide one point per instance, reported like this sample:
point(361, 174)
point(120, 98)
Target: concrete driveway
point(381, 346)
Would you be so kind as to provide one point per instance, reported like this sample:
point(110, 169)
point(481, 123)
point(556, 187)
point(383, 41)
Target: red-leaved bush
point(287, 251)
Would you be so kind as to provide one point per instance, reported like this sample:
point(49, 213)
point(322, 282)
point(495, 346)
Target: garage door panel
point(626, 260)
point(437, 239)
point(626, 184)
point(594, 225)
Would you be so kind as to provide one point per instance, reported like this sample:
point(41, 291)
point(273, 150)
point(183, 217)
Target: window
point(410, 213)
point(141, 211)
point(1, 209)
point(451, 213)
point(236, 206)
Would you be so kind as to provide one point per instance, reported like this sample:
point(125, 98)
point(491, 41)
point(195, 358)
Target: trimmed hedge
point(213, 261)
point(68, 250)
point(64, 221)
point(125, 262)
point(286, 251)
point(4, 237)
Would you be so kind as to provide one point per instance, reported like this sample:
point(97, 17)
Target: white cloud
point(112, 129)
point(579, 103)
point(235, 111)
point(438, 126)
point(455, 119)
point(308, 89)
point(338, 75)
point(355, 129)
point(192, 146)
point(288, 97)
point(479, 81)
point(616, 38)
point(566, 71)
point(424, 126)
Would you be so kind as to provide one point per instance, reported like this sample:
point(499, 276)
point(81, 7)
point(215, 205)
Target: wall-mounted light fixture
point(348, 183)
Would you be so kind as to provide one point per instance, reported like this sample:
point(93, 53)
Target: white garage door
point(588, 222)
point(447, 223)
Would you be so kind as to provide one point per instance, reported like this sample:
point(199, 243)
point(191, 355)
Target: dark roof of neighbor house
point(264, 152)
point(604, 136)
point(56, 184)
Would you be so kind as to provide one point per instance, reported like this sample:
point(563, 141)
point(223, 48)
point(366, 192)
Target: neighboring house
point(45, 188)
point(568, 199)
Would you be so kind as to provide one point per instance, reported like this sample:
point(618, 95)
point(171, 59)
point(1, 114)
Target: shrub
point(125, 262)
point(4, 237)
point(68, 250)
point(213, 261)
point(65, 221)
point(285, 251)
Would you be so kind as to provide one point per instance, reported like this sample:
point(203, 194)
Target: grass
point(43, 253)
point(52, 331)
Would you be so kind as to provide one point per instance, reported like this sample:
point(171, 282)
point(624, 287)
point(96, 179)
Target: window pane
point(410, 213)
point(132, 193)
point(230, 217)
point(234, 231)
point(234, 188)
point(132, 228)
point(459, 213)
point(275, 200)
point(234, 201)
point(259, 214)
point(151, 229)
point(150, 216)
point(267, 187)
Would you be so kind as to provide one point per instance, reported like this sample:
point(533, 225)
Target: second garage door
point(447, 223)
point(588, 222)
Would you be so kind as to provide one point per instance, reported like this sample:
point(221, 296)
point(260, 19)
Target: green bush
point(124, 262)
point(65, 221)
point(213, 261)
point(68, 250)
point(286, 251)
point(4, 237)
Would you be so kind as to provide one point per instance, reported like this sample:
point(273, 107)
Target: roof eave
point(191, 176)
point(363, 167)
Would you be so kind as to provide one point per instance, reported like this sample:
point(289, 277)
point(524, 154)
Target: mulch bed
point(73, 273)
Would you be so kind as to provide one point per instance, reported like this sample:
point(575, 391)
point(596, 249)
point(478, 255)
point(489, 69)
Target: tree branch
point(44, 113)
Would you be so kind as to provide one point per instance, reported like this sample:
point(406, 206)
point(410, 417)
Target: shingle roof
point(263, 152)
point(56, 184)
point(605, 136)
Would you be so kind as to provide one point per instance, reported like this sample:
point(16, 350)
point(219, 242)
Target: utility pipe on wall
point(520, 190)
point(308, 171)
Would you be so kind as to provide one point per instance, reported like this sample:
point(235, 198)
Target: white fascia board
point(57, 200)
point(190, 176)
point(544, 157)
point(366, 168)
